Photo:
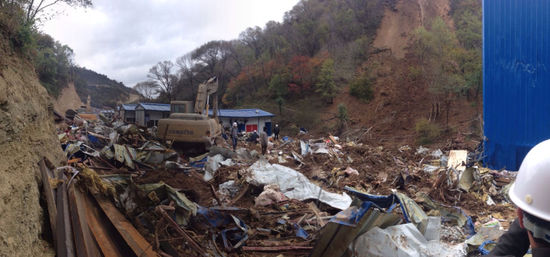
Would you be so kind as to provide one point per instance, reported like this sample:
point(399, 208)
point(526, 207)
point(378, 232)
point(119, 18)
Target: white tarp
point(403, 241)
point(294, 184)
point(212, 165)
point(304, 147)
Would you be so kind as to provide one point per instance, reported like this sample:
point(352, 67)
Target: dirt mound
point(27, 133)
point(68, 99)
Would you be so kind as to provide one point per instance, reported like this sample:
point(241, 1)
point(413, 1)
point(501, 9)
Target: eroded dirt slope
point(26, 134)
point(399, 101)
point(398, 24)
point(68, 99)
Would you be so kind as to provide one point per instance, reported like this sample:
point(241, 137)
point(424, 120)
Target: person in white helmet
point(234, 135)
point(530, 194)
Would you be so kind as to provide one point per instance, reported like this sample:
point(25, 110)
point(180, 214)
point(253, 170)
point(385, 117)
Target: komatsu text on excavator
point(188, 128)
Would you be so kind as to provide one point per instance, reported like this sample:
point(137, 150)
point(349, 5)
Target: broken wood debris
point(154, 201)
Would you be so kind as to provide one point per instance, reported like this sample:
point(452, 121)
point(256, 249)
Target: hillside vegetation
point(102, 90)
point(323, 49)
point(293, 67)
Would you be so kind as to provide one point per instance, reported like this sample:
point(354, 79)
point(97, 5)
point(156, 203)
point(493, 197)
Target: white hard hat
point(234, 124)
point(531, 189)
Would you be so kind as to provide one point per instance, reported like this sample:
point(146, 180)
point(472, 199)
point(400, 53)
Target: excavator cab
point(181, 107)
point(190, 127)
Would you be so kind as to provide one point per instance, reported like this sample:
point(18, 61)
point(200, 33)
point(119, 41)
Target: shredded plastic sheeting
point(294, 184)
point(403, 241)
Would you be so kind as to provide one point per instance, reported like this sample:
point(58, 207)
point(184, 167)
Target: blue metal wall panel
point(516, 79)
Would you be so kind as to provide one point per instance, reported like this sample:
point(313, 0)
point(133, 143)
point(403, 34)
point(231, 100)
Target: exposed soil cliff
point(27, 133)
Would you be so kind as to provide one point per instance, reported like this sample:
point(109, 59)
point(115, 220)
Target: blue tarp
point(199, 164)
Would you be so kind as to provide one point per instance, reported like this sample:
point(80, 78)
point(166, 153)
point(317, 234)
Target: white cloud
point(124, 38)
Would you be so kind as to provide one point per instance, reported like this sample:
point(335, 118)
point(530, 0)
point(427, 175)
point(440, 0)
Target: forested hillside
point(102, 90)
point(299, 68)
point(291, 67)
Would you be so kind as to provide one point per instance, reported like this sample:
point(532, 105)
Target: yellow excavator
point(193, 129)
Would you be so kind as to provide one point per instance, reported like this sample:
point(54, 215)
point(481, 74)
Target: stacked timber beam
point(84, 224)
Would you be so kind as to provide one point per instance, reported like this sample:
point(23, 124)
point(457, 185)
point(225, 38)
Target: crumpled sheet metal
point(451, 213)
point(403, 241)
point(189, 208)
point(411, 211)
point(414, 212)
point(126, 155)
point(294, 184)
point(348, 224)
point(185, 208)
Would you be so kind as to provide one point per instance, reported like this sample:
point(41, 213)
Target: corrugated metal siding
point(156, 107)
point(129, 107)
point(516, 79)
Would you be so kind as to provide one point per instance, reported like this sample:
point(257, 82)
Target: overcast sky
point(124, 38)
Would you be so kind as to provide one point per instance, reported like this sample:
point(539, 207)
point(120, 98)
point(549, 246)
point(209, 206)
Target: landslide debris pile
point(319, 196)
point(27, 133)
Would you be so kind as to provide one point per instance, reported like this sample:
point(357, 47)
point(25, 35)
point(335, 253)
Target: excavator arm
point(207, 89)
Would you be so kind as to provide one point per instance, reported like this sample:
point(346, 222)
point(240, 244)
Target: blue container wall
point(516, 79)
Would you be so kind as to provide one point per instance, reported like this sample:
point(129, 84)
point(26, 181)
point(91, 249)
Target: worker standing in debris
point(263, 140)
point(234, 135)
point(276, 132)
point(530, 194)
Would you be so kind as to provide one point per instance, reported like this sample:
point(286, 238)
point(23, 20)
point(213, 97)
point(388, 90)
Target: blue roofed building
point(128, 113)
point(247, 119)
point(148, 114)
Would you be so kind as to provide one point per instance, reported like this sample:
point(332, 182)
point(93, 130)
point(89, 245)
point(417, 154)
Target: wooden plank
point(105, 240)
point(317, 212)
point(194, 245)
point(85, 244)
point(129, 233)
point(65, 244)
point(50, 198)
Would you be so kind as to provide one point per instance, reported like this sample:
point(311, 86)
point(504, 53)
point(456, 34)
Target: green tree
point(361, 87)
point(326, 85)
point(278, 85)
point(53, 63)
point(437, 50)
point(280, 101)
point(342, 118)
point(467, 18)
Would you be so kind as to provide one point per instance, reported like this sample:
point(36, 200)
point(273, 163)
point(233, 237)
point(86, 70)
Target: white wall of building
point(140, 116)
point(259, 122)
